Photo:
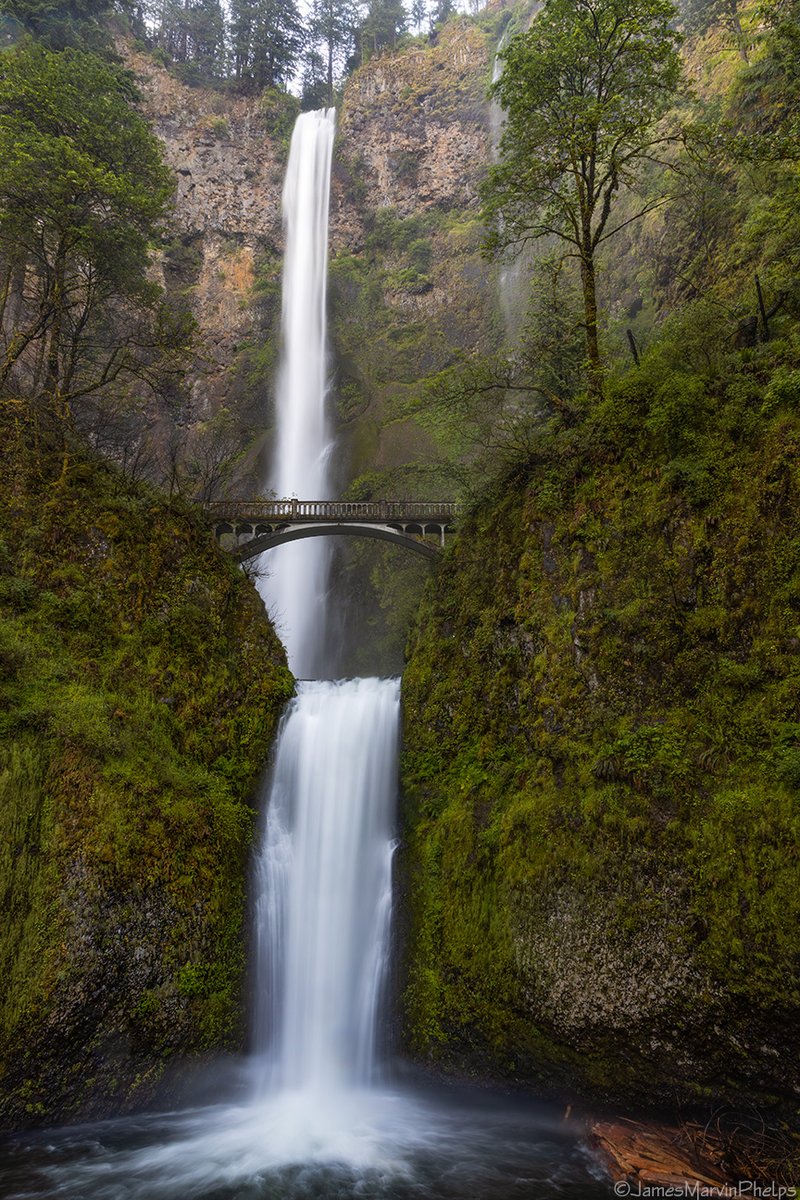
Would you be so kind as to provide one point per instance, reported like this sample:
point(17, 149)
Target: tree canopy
point(83, 189)
point(583, 90)
point(267, 37)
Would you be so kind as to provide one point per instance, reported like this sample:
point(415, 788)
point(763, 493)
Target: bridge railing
point(333, 510)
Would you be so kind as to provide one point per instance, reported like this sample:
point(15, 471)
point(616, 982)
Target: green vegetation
point(140, 681)
point(140, 686)
point(83, 189)
point(387, 340)
point(582, 92)
point(600, 775)
point(601, 705)
point(56, 24)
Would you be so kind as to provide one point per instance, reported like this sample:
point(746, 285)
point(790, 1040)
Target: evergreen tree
point(267, 39)
point(419, 11)
point(385, 21)
point(192, 35)
point(333, 28)
point(442, 11)
point(315, 80)
point(59, 23)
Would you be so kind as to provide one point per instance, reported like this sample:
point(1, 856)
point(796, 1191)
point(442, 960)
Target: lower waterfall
point(311, 1115)
point(324, 886)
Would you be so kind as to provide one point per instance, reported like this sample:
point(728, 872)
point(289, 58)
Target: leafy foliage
point(601, 691)
point(82, 191)
point(582, 92)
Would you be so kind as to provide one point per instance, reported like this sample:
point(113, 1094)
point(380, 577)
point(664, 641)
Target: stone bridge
point(248, 527)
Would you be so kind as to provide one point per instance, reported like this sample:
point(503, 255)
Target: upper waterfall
point(295, 588)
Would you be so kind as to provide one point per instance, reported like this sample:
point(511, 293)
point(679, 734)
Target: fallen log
point(646, 1153)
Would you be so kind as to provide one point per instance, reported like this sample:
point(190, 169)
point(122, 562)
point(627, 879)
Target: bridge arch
point(263, 541)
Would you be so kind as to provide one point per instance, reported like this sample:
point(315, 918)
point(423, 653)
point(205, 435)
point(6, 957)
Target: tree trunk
point(590, 324)
point(738, 32)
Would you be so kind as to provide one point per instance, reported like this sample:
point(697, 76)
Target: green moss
point(140, 687)
point(600, 772)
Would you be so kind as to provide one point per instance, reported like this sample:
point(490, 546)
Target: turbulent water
point(375, 1144)
point(307, 1117)
point(294, 589)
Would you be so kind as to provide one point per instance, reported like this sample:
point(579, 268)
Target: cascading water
point(324, 879)
point(324, 885)
point(316, 1124)
point(294, 589)
point(512, 274)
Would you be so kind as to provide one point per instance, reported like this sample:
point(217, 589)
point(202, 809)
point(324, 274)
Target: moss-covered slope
point(602, 773)
point(140, 685)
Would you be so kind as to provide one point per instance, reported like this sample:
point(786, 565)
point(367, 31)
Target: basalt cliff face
point(226, 221)
point(408, 289)
point(601, 767)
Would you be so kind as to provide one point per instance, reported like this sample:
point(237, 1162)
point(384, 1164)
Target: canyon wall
point(409, 291)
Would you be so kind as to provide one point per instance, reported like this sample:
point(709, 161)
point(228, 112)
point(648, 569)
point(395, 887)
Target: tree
point(59, 23)
point(583, 90)
point(383, 24)
point(82, 190)
point(419, 11)
point(268, 37)
point(191, 33)
point(333, 26)
point(315, 80)
point(442, 11)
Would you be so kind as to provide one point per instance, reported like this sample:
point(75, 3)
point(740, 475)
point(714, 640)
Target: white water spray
point(510, 276)
point(316, 1125)
point(294, 591)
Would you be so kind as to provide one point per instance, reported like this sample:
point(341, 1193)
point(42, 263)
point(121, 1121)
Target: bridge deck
point(362, 511)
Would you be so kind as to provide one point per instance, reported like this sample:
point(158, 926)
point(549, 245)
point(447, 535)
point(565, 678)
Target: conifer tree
point(333, 28)
point(267, 40)
point(385, 21)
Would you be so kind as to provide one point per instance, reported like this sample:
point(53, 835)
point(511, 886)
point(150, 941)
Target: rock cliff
point(408, 290)
point(229, 173)
point(140, 688)
point(601, 762)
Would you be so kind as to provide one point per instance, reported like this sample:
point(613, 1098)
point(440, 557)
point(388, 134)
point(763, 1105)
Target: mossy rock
point(140, 688)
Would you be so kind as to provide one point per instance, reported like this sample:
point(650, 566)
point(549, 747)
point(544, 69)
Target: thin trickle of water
point(509, 280)
point(295, 584)
point(324, 886)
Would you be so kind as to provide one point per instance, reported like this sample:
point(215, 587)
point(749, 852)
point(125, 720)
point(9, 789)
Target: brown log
point(646, 1153)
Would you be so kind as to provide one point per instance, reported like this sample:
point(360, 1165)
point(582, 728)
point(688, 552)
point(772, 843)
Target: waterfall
point(317, 1123)
point(324, 883)
point(324, 874)
point(294, 589)
point(510, 275)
